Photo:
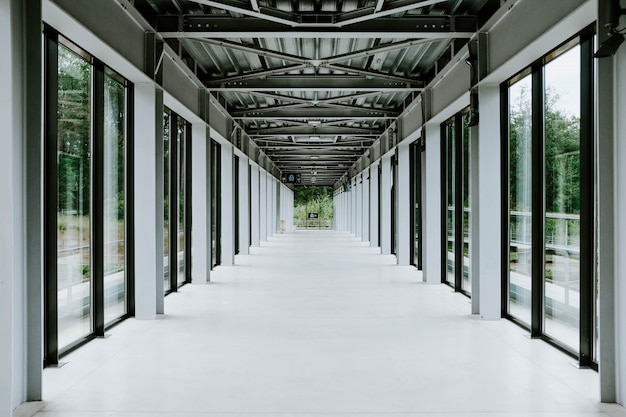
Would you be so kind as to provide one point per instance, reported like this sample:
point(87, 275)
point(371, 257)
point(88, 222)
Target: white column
point(358, 207)
point(256, 224)
point(620, 221)
point(366, 206)
point(228, 206)
point(274, 207)
point(374, 184)
point(403, 191)
point(610, 96)
point(148, 201)
point(21, 205)
point(489, 230)
point(200, 199)
point(263, 205)
point(431, 213)
point(385, 212)
point(244, 207)
point(290, 215)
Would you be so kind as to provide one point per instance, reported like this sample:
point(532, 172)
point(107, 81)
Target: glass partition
point(520, 198)
point(114, 198)
point(562, 198)
point(74, 147)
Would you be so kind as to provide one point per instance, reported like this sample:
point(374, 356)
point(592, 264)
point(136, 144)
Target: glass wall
point(520, 198)
point(450, 179)
point(562, 197)
point(167, 127)
point(416, 202)
point(215, 203)
point(456, 201)
point(87, 279)
point(175, 200)
point(74, 266)
point(181, 170)
point(114, 197)
point(551, 200)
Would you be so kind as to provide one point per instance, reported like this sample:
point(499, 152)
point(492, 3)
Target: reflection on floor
point(316, 323)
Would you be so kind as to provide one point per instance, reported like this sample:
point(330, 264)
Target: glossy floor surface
point(319, 324)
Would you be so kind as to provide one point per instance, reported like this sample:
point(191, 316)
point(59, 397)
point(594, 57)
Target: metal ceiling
point(315, 82)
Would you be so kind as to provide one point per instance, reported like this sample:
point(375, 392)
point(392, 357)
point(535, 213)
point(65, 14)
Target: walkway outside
point(316, 323)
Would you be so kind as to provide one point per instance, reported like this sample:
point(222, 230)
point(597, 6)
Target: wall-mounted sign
point(313, 215)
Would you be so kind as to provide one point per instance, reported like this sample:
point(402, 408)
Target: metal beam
point(313, 131)
point(240, 7)
point(400, 7)
point(268, 53)
point(314, 83)
point(251, 75)
point(349, 112)
point(387, 47)
point(255, 5)
point(407, 27)
point(368, 73)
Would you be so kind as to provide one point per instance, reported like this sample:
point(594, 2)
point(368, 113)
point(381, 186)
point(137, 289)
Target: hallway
point(317, 324)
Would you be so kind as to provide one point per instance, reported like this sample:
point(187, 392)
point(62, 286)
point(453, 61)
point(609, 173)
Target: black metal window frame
point(457, 120)
point(585, 355)
point(52, 351)
point(173, 192)
point(216, 191)
point(415, 199)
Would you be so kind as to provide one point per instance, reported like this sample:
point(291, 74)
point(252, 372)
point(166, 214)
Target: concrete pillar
point(489, 230)
point(270, 207)
point(385, 213)
point(149, 201)
point(403, 191)
point(200, 204)
point(431, 213)
point(374, 215)
point(228, 205)
point(255, 205)
point(244, 207)
point(262, 205)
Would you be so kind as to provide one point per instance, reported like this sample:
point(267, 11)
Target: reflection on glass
point(180, 169)
point(73, 195)
point(451, 195)
point(215, 203)
point(114, 199)
point(562, 198)
point(520, 204)
point(166, 193)
point(466, 283)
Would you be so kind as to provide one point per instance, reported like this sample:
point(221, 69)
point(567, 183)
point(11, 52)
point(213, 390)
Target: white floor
point(318, 324)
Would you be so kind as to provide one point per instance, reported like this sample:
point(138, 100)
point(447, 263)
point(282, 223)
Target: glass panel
point(180, 169)
point(215, 192)
point(417, 178)
point(73, 193)
point(166, 193)
point(450, 183)
point(114, 199)
point(466, 283)
point(562, 196)
point(520, 194)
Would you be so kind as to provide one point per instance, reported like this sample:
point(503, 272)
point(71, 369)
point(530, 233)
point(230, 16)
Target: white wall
point(228, 206)
point(148, 201)
point(431, 213)
point(244, 207)
point(404, 192)
point(256, 206)
point(200, 204)
point(374, 184)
